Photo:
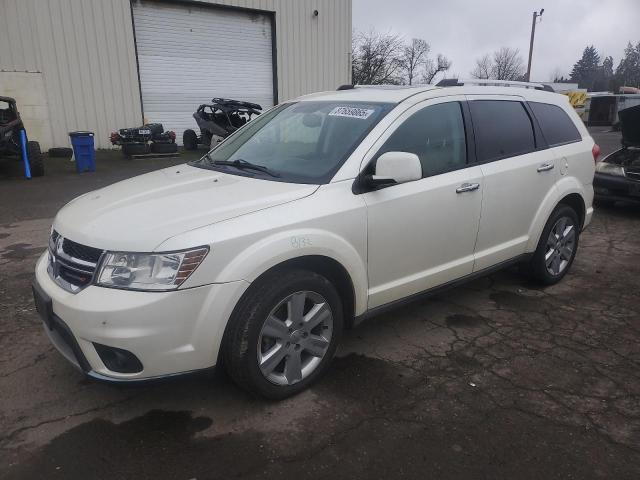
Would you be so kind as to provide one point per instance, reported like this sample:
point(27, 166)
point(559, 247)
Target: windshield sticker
point(351, 112)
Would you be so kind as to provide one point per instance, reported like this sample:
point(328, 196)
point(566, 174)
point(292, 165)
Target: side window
point(436, 134)
point(555, 124)
point(503, 129)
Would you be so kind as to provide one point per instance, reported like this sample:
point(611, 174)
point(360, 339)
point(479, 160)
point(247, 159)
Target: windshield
point(304, 142)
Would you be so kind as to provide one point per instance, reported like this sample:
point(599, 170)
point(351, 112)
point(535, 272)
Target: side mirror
point(396, 167)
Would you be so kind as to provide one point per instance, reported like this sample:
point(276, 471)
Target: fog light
point(118, 360)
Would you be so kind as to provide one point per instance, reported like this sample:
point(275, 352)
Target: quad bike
point(10, 126)
point(149, 138)
point(218, 120)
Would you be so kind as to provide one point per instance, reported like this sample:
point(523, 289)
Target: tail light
point(595, 151)
point(172, 135)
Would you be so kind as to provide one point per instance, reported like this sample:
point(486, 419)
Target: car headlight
point(610, 169)
point(149, 271)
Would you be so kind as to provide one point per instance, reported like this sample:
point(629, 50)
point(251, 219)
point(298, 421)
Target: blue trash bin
point(83, 151)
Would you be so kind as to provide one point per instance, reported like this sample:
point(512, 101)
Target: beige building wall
point(72, 63)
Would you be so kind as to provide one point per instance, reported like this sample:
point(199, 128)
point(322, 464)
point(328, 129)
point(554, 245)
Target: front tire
point(283, 333)
point(557, 246)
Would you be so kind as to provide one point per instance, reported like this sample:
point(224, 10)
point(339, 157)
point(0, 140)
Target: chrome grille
point(81, 252)
point(71, 265)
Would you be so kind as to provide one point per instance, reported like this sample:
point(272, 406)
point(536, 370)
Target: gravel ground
point(495, 379)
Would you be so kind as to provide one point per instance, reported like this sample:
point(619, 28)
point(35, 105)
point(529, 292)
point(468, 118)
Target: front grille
point(82, 252)
point(71, 265)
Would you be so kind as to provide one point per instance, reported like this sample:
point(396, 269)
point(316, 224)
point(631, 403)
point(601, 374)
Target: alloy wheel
point(561, 245)
point(295, 337)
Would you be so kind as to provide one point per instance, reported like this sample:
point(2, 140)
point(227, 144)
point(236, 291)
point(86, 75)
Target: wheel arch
point(323, 265)
point(575, 201)
point(566, 193)
point(329, 268)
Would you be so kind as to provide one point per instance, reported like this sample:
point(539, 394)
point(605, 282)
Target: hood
point(140, 213)
point(630, 126)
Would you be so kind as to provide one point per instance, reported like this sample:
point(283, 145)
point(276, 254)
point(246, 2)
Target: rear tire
point(300, 344)
point(36, 160)
point(129, 149)
point(164, 148)
point(190, 140)
point(557, 246)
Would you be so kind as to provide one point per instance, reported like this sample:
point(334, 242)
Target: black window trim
point(539, 141)
point(538, 138)
point(472, 156)
point(552, 145)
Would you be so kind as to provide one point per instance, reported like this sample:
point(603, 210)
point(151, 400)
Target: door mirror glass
point(398, 167)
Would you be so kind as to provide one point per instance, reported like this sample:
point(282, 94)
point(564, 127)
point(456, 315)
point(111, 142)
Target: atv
point(218, 120)
point(149, 138)
point(10, 126)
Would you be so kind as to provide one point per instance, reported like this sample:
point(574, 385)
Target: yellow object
point(576, 98)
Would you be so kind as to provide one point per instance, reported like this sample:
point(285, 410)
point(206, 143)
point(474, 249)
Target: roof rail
point(454, 82)
point(347, 86)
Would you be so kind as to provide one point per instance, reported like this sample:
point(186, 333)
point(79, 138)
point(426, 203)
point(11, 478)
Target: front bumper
point(169, 332)
point(621, 189)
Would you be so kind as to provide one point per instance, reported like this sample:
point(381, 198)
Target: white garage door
point(188, 55)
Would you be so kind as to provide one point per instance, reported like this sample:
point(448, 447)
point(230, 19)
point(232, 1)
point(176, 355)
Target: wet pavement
point(495, 379)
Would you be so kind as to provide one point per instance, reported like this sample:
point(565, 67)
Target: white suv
point(321, 212)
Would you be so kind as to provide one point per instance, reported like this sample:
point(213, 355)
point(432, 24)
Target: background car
point(10, 126)
point(617, 176)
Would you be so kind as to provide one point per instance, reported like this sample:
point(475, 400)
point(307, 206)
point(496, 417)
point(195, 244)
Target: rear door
point(561, 134)
point(519, 172)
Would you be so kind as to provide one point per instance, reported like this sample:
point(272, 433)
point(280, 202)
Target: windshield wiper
point(243, 165)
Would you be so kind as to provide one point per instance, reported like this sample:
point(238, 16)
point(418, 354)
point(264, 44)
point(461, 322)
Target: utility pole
point(533, 33)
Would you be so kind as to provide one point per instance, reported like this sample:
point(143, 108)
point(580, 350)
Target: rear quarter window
point(556, 126)
point(503, 129)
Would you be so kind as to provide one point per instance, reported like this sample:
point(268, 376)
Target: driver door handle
point(467, 187)
point(545, 167)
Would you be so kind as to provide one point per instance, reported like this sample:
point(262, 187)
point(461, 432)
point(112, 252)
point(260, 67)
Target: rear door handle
point(545, 167)
point(467, 187)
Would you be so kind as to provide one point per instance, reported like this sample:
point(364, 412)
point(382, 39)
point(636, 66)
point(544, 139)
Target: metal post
point(533, 33)
point(25, 154)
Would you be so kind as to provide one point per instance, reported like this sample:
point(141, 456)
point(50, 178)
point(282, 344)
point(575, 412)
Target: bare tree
point(414, 57)
point(505, 64)
point(379, 58)
point(483, 68)
point(376, 58)
point(442, 64)
point(556, 75)
point(508, 64)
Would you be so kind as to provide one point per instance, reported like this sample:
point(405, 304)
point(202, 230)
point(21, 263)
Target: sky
point(464, 30)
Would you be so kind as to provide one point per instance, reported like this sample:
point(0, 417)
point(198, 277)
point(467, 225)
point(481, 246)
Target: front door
point(422, 234)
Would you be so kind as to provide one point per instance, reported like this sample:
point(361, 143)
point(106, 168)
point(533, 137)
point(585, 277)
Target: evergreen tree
point(585, 71)
point(628, 71)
